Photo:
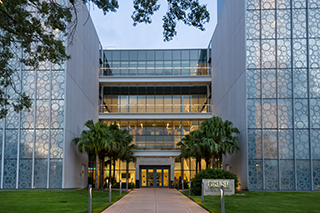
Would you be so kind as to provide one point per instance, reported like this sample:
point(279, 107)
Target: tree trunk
point(196, 166)
point(199, 165)
point(110, 170)
point(127, 172)
point(102, 172)
point(97, 170)
point(213, 162)
point(207, 163)
point(114, 171)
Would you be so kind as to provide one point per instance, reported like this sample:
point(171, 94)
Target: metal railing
point(156, 146)
point(155, 108)
point(154, 71)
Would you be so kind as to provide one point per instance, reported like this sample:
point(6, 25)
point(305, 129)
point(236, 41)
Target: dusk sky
point(115, 30)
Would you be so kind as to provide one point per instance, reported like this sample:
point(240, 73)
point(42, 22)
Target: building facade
point(159, 96)
point(36, 151)
point(274, 50)
point(261, 71)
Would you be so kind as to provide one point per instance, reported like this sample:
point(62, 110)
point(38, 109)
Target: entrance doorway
point(154, 177)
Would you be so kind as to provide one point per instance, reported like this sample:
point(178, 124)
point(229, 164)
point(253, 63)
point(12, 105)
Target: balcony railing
point(157, 146)
point(155, 71)
point(155, 108)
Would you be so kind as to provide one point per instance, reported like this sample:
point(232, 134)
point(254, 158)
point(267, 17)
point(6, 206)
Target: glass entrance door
point(154, 177)
point(166, 177)
point(159, 177)
point(150, 177)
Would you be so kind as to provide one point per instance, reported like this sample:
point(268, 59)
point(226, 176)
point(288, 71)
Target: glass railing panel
point(156, 146)
point(159, 108)
point(151, 71)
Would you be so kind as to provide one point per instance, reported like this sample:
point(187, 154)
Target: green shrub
point(210, 174)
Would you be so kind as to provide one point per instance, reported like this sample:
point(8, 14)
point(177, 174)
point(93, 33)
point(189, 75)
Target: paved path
point(155, 200)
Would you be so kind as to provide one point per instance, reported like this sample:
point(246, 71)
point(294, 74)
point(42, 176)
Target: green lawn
point(54, 200)
point(262, 201)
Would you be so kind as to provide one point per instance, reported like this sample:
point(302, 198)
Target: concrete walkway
point(156, 200)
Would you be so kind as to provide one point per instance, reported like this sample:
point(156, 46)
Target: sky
point(116, 31)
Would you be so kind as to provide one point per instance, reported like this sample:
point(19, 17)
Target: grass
point(55, 200)
point(262, 201)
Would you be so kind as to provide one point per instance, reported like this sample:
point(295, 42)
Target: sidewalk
point(155, 200)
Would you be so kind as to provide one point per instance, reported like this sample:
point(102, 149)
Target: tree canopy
point(105, 141)
point(214, 139)
point(28, 35)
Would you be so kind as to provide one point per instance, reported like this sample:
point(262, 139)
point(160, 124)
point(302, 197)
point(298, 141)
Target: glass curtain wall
point(158, 134)
point(283, 98)
point(187, 99)
point(155, 62)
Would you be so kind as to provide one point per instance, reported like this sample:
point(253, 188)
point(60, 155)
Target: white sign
point(212, 186)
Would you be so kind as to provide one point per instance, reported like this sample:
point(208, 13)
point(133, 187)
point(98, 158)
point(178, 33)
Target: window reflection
point(157, 135)
point(192, 99)
point(159, 62)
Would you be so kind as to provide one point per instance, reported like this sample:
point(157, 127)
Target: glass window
point(141, 99)
point(159, 99)
point(150, 55)
point(133, 64)
point(115, 103)
point(185, 63)
point(150, 64)
point(176, 101)
point(176, 55)
point(159, 127)
point(167, 63)
point(108, 55)
point(107, 104)
point(185, 54)
point(150, 99)
point(159, 65)
point(133, 99)
point(168, 130)
point(167, 55)
point(149, 130)
point(194, 54)
point(124, 55)
point(159, 55)
point(176, 64)
point(116, 55)
point(124, 103)
point(194, 125)
point(116, 64)
point(123, 124)
point(132, 128)
point(194, 99)
point(142, 55)
point(133, 55)
point(203, 56)
point(202, 103)
point(167, 103)
point(124, 66)
point(142, 64)
point(186, 127)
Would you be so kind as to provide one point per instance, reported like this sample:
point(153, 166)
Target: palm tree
point(191, 147)
point(95, 139)
point(120, 147)
point(219, 137)
point(127, 153)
